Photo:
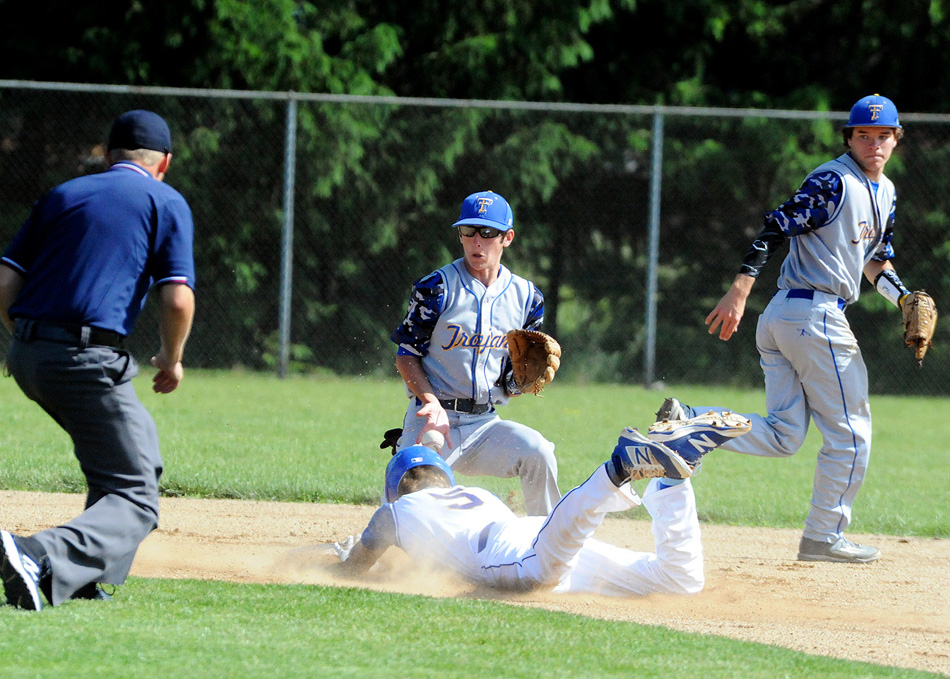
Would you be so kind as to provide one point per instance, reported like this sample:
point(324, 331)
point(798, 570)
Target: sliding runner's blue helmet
point(406, 459)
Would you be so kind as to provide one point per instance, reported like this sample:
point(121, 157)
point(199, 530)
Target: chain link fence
point(315, 213)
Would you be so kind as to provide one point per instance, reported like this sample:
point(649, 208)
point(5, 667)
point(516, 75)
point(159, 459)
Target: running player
point(453, 356)
point(839, 226)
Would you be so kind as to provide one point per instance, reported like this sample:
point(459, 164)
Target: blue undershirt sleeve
point(380, 532)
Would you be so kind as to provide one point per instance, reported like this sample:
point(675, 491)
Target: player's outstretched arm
point(360, 559)
point(380, 533)
point(727, 314)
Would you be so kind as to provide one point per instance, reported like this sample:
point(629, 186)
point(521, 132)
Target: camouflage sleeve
point(536, 312)
point(812, 206)
point(885, 250)
point(425, 305)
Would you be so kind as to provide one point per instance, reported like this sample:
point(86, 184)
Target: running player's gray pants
point(486, 445)
point(813, 370)
point(89, 392)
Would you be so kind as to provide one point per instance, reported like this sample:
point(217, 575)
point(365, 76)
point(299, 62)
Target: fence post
point(287, 239)
point(653, 250)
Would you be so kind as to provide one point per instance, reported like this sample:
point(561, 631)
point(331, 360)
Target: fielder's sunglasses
point(483, 231)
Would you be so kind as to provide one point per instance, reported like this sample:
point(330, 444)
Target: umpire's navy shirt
point(93, 246)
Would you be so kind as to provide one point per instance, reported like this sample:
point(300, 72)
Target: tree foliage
point(375, 184)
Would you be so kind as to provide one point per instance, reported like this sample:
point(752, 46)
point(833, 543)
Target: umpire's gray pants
point(88, 391)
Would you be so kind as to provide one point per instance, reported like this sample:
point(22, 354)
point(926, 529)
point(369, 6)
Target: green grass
point(245, 435)
point(181, 628)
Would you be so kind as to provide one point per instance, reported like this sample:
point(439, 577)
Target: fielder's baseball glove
point(535, 357)
point(920, 322)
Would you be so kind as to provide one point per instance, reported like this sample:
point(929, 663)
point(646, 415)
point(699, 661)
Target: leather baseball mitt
point(535, 357)
point(920, 322)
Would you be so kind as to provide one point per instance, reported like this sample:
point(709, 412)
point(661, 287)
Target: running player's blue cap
point(408, 458)
point(486, 208)
point(873, 111)
point(140, 130)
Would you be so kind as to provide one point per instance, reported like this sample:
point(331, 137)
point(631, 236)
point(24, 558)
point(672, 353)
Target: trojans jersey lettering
point(832, 258)
point(469, 341)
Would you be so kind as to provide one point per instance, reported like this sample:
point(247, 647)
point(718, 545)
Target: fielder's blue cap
point(486, 208)
point(140, 130)
point(406, 459)
point(873, 111)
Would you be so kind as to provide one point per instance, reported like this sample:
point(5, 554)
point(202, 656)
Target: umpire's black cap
point(140, 129)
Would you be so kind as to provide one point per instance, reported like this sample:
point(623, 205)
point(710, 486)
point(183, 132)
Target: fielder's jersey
point(458, 328)
point(122, 222)
point(837, 222)
point(441, 525)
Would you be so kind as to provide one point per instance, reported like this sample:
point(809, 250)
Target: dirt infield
point(893, 612)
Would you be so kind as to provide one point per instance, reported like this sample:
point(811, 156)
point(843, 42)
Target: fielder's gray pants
point(88, 391)
point(486, 445)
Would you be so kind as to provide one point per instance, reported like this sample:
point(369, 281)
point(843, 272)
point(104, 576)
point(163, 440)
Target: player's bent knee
point(788, 446)
point(695, 586)
point(542, 456)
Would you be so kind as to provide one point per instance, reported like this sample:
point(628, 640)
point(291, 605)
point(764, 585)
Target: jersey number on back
point(466, 499)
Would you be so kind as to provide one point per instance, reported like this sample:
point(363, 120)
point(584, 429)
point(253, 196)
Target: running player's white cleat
point(641, 458)
point(696, 436)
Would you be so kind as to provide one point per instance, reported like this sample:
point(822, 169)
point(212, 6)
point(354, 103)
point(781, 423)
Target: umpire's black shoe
point(20, 573)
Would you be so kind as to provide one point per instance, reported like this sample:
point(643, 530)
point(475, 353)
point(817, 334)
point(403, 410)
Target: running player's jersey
point(836, 223)
point(832, 258)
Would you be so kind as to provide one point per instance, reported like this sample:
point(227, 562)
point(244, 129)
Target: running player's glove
point(535, 357)
point(920, 322)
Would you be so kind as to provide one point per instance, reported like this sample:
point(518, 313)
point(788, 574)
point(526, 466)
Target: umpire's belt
point(465, 405)
point(27, 330)
point(806, 294)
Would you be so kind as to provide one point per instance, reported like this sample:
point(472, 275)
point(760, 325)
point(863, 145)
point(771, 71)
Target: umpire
point(72, 283)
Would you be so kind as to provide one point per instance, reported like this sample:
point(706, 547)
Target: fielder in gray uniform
point(453, 356)
point(839, 226)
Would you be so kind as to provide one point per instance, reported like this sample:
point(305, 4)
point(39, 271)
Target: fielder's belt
point(466, 405)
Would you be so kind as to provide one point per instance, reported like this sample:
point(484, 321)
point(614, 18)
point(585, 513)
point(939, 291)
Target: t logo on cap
point(486, 208)
point(873, 111)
